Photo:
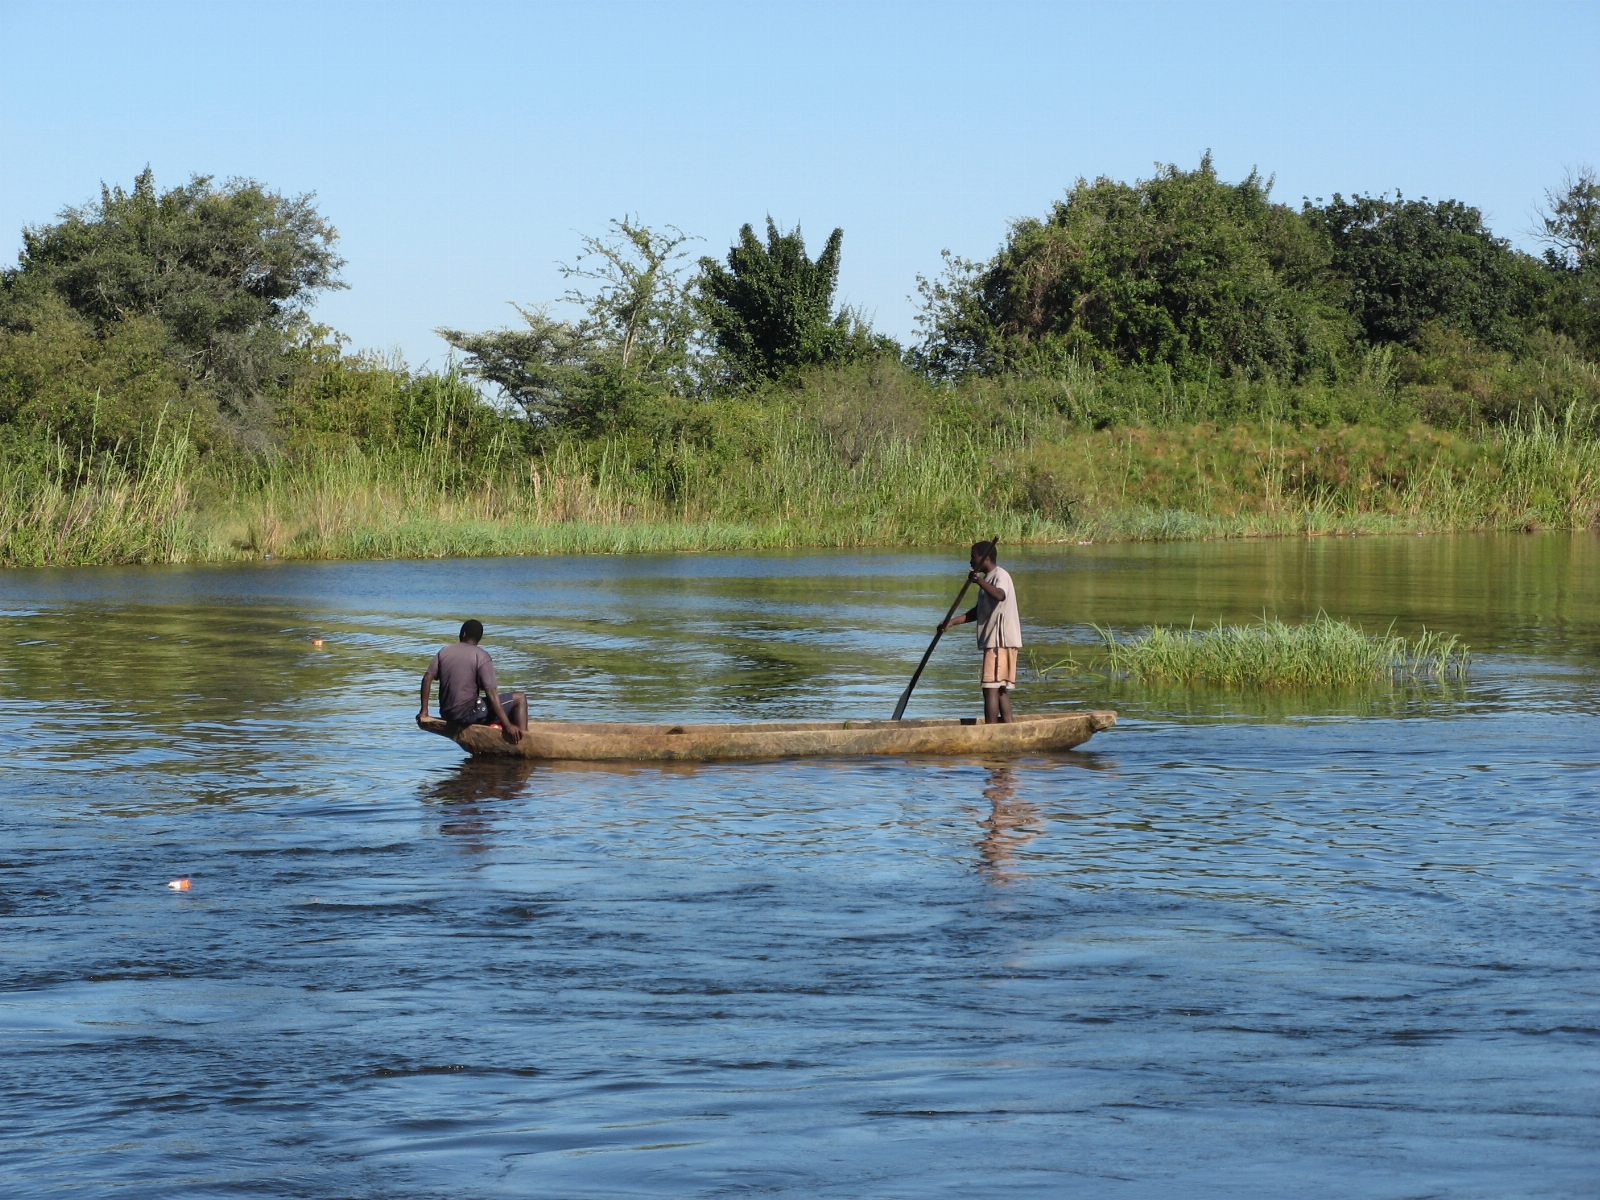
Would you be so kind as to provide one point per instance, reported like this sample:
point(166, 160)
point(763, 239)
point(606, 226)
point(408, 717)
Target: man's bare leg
point(1005, 705)
point(518, 712)
point(991, 706)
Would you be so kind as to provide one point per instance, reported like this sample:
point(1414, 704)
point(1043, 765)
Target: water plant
point(1323, 652)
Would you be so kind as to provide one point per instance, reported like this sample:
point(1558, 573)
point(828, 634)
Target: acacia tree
point(641, 302)
point(228, 270)
point(1570, 229)
point(547, 369)
point(769, 310)
point(634, 339)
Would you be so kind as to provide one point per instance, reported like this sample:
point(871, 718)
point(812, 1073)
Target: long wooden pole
point(900, 709)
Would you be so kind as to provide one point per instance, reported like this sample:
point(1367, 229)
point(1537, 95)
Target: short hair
point(983, 550)
point(472, 631)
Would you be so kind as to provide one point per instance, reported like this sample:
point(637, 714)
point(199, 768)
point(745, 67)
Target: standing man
point(467, 688)
point(999, 631)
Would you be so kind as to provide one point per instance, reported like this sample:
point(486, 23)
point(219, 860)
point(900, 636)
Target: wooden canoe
point(595, 741)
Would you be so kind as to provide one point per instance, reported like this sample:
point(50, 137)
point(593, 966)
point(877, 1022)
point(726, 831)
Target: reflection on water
point(1011, 824)
point(469, 797)
point(479, 779)
point(1240, 945)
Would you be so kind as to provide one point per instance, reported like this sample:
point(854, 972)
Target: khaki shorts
point(1000, 667)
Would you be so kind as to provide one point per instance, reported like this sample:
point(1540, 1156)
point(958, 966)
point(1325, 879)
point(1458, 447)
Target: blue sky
point(462, 149)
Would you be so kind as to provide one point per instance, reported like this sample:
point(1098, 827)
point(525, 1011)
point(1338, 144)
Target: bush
point(1180, 270)
point(1409, 264)
point(1453, 383)
point(335, 400)
point(101, 391)
point(226, 272)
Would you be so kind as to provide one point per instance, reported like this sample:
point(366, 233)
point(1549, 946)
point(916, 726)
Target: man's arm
point(428, 677)
point(491, 693)
point(998, 595)
point(970, 615)
point(512, 732)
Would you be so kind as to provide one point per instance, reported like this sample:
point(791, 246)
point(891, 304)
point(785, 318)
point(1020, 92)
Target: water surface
point(1245, 945)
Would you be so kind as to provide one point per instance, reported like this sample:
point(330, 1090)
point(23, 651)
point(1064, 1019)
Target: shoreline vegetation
point(785, 475)
point(1178, 358)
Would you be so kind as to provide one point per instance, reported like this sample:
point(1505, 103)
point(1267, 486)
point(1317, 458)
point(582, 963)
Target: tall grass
point(1205, 481)
point(62, 507)
point(1321, 653)
point(862, 464)
point(614, 495)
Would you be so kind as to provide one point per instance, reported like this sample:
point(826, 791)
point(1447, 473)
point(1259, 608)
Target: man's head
point(984, 556)
point(472, 631)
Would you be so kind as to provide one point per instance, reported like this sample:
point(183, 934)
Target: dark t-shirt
point(464, 670)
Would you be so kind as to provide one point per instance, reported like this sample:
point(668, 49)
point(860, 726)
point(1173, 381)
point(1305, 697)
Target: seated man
point(467, 688)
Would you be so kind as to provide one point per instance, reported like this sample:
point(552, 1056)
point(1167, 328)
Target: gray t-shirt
point(999, 624)
point(464, 670)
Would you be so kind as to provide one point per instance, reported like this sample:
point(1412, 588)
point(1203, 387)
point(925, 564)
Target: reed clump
point(66, 507)
point(1324, 652)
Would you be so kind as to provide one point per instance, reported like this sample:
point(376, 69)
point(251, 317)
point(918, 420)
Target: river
point(1241, 945)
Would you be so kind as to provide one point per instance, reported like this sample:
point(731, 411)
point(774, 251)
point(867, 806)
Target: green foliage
point(103, 392)
point(769, 311)
point(1452, 382)
point(337, 401)
point(1411, 263)
point(1320, 653)
point(1180, 270)
point(866, 454)
point(1571, 229)
point(1445, 379)
point(226, 270)
point(641, 306)
point(1200, 284)
point(1179, 357)
point(960, 330)
point(62, 506)
point(549, 369)
point(1570, 308)
point(632, 345)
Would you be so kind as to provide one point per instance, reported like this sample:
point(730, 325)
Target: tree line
point(193, 304)
point(1199, 275)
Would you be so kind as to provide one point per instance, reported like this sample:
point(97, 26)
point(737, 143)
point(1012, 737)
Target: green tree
point(1570, 229)
point(229, 272)
point(640, 305)
point(548, 369)
point(1412, 263)
point(108, 391)
point(769, 311)
point(634, 340)
point(1180, 269)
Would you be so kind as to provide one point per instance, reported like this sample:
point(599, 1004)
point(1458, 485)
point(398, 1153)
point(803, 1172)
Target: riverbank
point(799, 487)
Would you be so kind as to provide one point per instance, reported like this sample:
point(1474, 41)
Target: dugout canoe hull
point(599, 741)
